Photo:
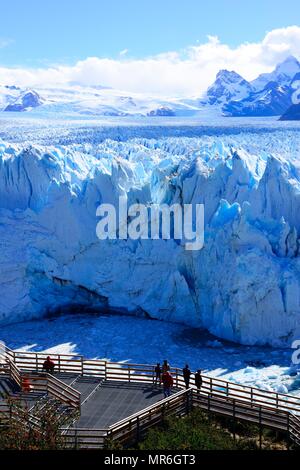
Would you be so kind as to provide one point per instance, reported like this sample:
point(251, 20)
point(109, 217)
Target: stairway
point(48, 406)
point(7, 387)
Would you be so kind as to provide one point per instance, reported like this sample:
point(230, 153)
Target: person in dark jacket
point(187, 375)
point(165, 366)
point(167, 381)
point(198, 380)
point(158, 372)
point(49, 365)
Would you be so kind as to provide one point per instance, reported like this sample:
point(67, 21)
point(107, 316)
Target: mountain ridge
point(270, 94)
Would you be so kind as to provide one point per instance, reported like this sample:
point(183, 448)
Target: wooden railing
point(294, 429)
point(130, 430)
point(271, 409)
point(29, 361)
point(54, 387)
point(15, 373)
point(133, 428)
point(76, 438)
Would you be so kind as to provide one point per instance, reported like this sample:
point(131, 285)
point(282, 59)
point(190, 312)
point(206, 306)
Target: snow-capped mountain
point(230, 95)
point(26, 101)
point(73, 99)
point(282, 75)
point(269, 95)
point(272, 100)
point(228, 86)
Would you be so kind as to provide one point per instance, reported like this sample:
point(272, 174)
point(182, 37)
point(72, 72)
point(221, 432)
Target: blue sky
point(160, 47)
point(38, 33)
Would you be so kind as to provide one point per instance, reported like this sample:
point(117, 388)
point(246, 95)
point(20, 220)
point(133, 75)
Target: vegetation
point(33, 431)
point(198, 431)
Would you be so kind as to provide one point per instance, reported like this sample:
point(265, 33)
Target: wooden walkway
point(114, 401)
point(120, 402)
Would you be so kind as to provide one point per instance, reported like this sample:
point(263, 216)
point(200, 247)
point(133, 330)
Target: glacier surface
point(242, 286)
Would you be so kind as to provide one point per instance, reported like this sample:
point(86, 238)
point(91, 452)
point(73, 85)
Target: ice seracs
point(243, 285)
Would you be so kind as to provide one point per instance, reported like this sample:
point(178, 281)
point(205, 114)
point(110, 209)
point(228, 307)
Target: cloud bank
point(177, 73)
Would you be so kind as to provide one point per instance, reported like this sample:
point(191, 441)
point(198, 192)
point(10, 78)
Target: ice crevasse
point(244, 285)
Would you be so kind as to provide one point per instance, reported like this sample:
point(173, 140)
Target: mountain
point(230, 95)
point(292, 114)
point(72, 99)
point(26, 101)
point(162, 111)
point(269, 95)
point(227, 86)
point(282, 75)
point(273, 100)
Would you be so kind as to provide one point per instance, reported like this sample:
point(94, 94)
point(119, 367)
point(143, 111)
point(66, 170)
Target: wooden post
point(260, 429)
point(233, 414)
point(187, 402)
point(288, 432)
point(76, 439)
point(137, 428)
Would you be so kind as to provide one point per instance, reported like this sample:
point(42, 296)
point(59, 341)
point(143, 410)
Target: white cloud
point(4, 42)
point(123, 52)
point(187, 72)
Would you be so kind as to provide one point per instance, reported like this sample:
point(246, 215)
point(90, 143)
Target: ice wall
point(243, 285)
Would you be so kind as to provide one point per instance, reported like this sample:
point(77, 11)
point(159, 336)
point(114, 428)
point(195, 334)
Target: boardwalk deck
point(114, 401)
point(119, 401)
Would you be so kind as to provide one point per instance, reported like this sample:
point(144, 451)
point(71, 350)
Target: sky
point(164, 47)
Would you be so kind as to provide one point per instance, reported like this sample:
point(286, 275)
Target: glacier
point(242, 286)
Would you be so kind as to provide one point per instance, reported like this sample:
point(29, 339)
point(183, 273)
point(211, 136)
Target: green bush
point(192, 432)
point(198, 431)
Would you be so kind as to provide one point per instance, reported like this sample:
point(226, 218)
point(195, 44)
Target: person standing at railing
point(158, 372)
point(165, 366)
point(187, 375)
point(26, 387)
point(49, 365)
point(167, 381)
point(198, 380)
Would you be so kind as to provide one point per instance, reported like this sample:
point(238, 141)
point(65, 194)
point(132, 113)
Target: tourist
point(49, 365)
point(158, 371)
point(165, 366)
point(187, 375)
point(198, 380)
point(26, 387)
point(167, 381)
